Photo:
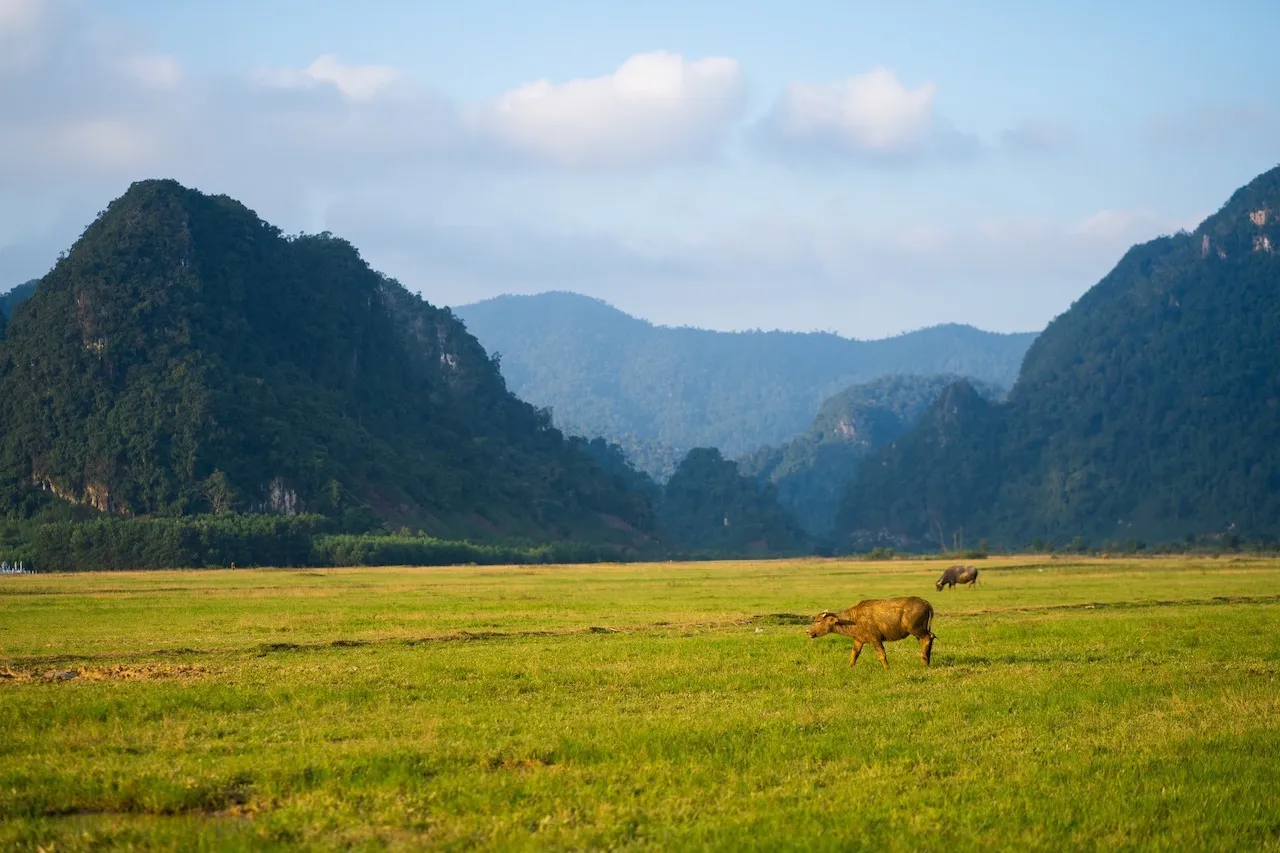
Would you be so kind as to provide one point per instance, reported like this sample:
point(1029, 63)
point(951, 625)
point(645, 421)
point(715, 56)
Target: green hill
point(186, 357)
point(1148, 411)
point(709, 506)
point(657, 391)
point(813, 470)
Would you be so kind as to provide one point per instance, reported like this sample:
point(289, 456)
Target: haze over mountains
point(653, 388)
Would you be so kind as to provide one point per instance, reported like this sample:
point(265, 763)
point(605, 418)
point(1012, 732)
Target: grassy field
point(1071, 704)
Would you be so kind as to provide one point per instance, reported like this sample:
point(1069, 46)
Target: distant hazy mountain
point(1148, 411)
point(814, 469)
point(603, 372)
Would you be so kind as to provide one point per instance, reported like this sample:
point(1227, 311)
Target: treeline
point(222, 541)
point(375, 550)
point(130, 544)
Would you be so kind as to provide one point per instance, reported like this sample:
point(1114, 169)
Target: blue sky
point(854, 167)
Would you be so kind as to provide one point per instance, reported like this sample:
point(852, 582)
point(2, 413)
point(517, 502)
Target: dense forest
point(658, 391)
point(709, 506)
point(185, 357)
point(812, 471)
point(1150, 411)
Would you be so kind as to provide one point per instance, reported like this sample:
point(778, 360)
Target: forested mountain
point(11, 300)
point(1148, 411)
point(650, 388)
point(187, 357)
point(813, 470)
point(16, 296)
point(709, 506)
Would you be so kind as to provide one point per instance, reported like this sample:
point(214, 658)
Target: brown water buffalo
point(878, 620)
point(957, 574)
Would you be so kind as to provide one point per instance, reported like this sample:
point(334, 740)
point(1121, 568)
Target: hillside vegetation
point(659, 391)
point(185, 357)
point(1150, 411)
point(710, 506)
point(812, 471)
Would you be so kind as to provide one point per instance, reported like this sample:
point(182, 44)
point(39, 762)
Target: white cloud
point(871, 113)
point(656, 106)
point(358, 82)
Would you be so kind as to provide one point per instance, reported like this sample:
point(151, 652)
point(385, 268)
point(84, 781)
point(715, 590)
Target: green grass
point(1086, 704)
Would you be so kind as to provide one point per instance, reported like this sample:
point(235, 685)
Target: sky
point(835, 165)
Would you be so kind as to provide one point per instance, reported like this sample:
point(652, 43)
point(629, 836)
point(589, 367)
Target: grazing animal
point(878, 620)
point(957, 574)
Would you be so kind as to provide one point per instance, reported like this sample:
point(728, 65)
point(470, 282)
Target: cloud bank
point(655, 107)
point(871, 116)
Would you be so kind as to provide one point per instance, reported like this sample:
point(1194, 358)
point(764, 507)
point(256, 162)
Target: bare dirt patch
point(119, 672)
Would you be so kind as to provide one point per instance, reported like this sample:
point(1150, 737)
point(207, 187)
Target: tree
point(218, 492)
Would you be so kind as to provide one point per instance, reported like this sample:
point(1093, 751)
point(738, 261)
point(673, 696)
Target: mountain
point(605, 373)
point(709, 506)
point(12, 299)
point(813, 470)
point(15, 297)
point(1149, 411)
point(187, 357)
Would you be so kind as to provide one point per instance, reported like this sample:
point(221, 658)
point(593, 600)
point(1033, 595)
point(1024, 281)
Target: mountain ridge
point(604, 372)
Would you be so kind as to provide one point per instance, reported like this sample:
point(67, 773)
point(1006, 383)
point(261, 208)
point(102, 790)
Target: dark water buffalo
point(957, 574)
point(878, 620)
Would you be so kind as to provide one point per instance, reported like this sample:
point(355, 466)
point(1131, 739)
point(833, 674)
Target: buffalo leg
point(857, 650)
point(926, 648)
point(884, 660)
